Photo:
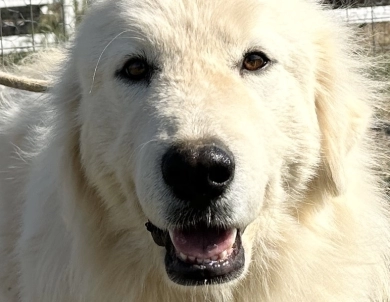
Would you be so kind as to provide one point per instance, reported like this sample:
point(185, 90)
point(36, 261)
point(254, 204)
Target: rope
point(23, 83)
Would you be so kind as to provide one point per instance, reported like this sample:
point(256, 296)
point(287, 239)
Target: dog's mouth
point(201, 255)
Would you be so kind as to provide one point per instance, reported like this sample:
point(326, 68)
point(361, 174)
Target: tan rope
point(23, 83)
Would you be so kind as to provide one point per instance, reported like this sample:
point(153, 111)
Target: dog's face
point(203, 114)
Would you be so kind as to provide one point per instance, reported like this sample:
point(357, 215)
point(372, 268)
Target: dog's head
point(206, 118)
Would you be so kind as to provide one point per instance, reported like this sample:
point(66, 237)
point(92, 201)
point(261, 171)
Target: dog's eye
point(136, 69)
point(254, 61)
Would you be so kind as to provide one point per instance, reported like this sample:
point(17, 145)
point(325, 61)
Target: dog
point(195, 151)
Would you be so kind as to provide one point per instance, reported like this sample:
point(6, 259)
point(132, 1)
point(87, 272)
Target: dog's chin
point(201, 255)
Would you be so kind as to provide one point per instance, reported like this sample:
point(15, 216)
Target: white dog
point(236, 130)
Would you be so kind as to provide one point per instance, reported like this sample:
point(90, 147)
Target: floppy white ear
point(342, 111)
point(66, 95)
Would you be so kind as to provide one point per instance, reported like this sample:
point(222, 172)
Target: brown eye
point(136, 69)
point(254, 61)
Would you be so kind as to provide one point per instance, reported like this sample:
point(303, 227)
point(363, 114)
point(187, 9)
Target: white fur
point(80, 172)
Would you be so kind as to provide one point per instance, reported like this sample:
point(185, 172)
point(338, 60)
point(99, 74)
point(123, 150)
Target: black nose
point(198, 172)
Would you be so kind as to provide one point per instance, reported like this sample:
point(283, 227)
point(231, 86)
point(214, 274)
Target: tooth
point(182, 256)
point(214, 258)
point(199, 261)
point(191, 258)
point(223, 255)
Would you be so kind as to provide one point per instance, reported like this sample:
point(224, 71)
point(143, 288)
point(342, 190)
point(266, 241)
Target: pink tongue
point(202, 243)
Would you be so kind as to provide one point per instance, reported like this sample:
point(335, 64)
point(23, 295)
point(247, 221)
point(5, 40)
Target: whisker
point(141, 146)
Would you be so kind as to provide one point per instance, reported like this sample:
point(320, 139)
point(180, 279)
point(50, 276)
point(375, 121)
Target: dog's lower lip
point(190, 270)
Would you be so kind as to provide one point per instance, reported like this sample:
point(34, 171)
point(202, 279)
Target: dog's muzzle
point(198, 252)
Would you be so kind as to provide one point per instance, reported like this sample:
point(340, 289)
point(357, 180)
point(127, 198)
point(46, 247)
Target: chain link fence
point(372, 16)
point(28, 25)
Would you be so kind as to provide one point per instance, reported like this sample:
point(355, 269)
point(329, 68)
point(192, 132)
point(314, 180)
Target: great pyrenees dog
point(195, 150)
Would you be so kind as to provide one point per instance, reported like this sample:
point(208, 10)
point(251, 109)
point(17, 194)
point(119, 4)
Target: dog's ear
point(76, 190)
point(66, 95)
point(342, 110)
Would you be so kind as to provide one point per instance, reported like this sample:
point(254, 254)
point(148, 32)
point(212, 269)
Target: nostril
point(219, 163)
point(219, 175)
point(176, 168)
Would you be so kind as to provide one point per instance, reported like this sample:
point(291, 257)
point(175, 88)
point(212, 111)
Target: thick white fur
point(79, 166)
